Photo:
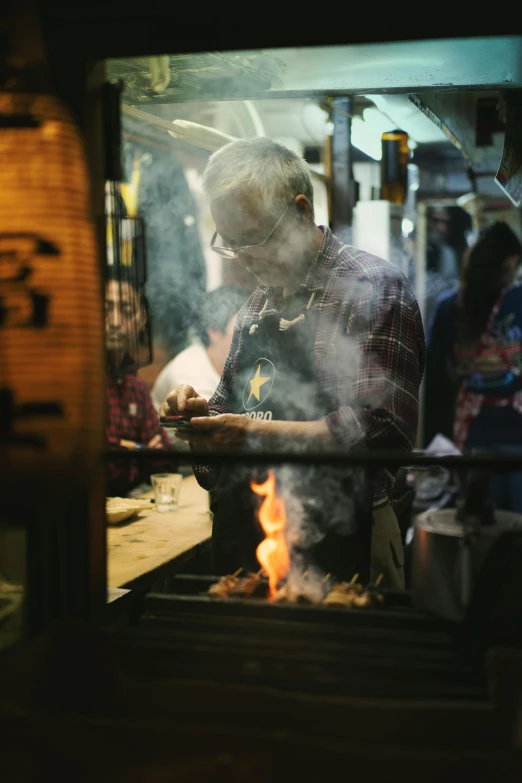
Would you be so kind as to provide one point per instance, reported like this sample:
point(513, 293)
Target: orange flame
point(272, 552)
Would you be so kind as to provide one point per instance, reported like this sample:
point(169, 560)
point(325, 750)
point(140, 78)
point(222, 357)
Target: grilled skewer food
point(304, 591)
point(348, 594)
point(250, 585)
point(233, 586)
point(222, 588)
point(301, 591)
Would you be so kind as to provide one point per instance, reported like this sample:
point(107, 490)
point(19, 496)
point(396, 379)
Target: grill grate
point(390, 652)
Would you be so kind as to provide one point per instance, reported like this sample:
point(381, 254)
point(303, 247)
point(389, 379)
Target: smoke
point(176, 268)
point(323, 499)
point(436, 285)
point(319, 499)
point(305, 580)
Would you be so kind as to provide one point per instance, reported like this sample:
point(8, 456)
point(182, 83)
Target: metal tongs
point(175, 422)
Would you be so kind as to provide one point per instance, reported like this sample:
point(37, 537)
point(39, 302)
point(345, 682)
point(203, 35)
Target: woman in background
point(475, 355)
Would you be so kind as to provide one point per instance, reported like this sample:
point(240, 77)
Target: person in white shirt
point(201, 364)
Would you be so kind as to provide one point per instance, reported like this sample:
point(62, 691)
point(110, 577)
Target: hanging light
point(51, 346)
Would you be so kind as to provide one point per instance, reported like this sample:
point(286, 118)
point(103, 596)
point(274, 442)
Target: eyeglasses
point(231, 252)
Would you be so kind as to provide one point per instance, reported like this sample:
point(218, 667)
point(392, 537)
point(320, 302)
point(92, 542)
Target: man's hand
point(184, 401)
point(231, 430)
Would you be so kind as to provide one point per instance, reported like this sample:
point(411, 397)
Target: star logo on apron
point(259, 384)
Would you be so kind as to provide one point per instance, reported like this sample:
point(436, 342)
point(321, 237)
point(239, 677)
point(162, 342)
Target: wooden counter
point(152, 540)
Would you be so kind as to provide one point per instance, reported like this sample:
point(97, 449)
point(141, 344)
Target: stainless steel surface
point(401, 66)
point(448, 556)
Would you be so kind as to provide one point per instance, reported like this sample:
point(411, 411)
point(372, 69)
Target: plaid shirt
point(131, 416)
point(369, 348)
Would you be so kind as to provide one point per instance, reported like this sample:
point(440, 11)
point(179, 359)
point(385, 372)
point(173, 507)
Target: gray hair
point(277, 173)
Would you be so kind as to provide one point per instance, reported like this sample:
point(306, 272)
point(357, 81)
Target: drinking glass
point(167, 487)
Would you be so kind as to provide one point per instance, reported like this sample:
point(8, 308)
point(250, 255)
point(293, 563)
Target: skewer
point(236, 573)
point(354, 579)
point(378, 580)
point(326, 578)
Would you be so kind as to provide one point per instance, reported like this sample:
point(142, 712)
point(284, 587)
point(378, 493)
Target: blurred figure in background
point(201, 364)
point(442, 258)
point(132, 422)
point(474, 358)
point(448, 228)
point(176, 271)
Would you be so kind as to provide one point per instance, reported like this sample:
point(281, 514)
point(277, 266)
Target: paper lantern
point(51, 335)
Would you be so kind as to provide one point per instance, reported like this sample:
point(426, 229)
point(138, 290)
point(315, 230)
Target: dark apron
point(276, 380)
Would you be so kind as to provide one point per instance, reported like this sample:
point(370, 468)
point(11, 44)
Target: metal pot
point(447, 557)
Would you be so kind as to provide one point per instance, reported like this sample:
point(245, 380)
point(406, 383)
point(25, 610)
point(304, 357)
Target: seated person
point(201, 364)
point(132, 422)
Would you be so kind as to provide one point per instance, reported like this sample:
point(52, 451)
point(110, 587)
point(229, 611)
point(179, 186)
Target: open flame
point(272, 552)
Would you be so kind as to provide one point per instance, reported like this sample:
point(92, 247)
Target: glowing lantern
point(51, 336)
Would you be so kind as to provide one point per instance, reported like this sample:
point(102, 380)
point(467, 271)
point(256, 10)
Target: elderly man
point(328, 351)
